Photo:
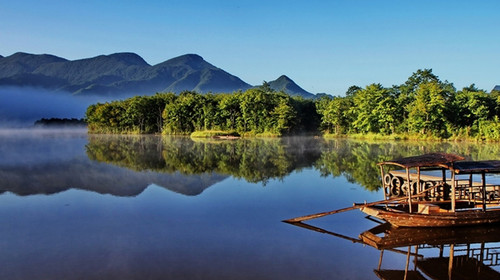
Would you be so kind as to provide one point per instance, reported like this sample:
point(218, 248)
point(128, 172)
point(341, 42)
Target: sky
point(324, 46)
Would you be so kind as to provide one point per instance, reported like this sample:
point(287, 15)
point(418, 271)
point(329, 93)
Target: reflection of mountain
point(48, 161)
point(101, 178)
point(255, 160)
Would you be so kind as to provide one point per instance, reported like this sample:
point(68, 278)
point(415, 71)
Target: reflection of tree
point(356, 160)
point(134, 152)
point(255, 160)
point(258, 160)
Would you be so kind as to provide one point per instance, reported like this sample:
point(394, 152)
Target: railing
point(395, 185)
point(489, 256)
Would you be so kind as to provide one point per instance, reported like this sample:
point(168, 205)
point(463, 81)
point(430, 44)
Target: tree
point(336, 114)
point(427, 111)
point(229, 110)
point(471, 105)
point(283, 115)
point(374, 110)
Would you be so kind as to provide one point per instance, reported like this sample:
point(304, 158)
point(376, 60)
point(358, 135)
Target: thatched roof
point(487, 166)
point(426, 160)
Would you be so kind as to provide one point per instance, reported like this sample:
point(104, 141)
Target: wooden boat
point(437, 201)
point(432, 190)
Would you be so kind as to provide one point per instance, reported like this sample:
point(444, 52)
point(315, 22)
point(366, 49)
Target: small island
point(58, 122)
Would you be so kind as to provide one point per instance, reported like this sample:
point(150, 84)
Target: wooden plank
point(357, 206)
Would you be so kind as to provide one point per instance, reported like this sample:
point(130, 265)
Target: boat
point(433, 190)
point(437, 190)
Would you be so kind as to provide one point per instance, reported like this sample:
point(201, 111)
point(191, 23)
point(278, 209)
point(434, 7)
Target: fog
point(21, 107)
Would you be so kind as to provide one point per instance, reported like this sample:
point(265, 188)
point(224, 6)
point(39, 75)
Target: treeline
point(58, 122)
point(423, 105)
point(255, 111)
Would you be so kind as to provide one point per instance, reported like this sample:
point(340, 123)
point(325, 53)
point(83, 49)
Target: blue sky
point(324, 46)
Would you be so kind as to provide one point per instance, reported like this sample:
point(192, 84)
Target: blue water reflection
point(67, 216)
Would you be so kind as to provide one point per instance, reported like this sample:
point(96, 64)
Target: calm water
point(75, 206)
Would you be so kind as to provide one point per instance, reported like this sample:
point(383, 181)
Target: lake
point(78, 206)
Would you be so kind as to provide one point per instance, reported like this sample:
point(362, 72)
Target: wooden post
point(407, 263)
point(453, 190)
point(409, 187)
point(470, 187)
point(380, 259)
point(419, 188)
point(415, 258)
point(450, 263)
point(483, 181)
point(444, 183)
point(383, 183)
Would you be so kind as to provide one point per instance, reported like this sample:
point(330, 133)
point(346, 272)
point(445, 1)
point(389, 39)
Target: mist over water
point(21, 107)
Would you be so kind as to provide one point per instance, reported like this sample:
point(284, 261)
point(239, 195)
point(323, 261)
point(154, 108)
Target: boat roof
point(425, 160)
point(487, 166)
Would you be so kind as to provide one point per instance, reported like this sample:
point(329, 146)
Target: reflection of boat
point(404, 236)
point(438, 253)
point(470, 255)
point(417, 197)
point(438, 201)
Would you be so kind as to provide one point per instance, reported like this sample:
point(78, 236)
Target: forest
point(256, 111)
point(422, 107)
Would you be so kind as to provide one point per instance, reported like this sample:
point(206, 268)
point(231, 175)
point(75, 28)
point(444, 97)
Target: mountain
point(285, 84)
point(116, 74)
point(192, 72)
point(497, 88)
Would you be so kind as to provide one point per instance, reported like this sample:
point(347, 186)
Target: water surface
point(78, 206)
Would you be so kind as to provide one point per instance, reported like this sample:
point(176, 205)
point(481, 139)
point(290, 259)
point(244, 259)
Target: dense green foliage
point(423, 106)
point(255, 111)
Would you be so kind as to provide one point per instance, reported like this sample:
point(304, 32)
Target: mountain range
point(125, 74)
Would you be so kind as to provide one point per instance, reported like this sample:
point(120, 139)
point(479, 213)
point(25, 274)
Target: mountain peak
point(285, 84)
point(190, 59)
point(284, 78)
point(129, 58)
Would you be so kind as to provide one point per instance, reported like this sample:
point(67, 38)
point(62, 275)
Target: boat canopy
point(469, 167)
point(426, 160)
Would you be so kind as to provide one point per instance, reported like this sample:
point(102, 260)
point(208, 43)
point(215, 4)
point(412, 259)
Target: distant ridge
point(125, 74)
point(497, 88)
point(285, 84)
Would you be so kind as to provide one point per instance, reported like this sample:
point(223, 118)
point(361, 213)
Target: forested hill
point(122, 74)
point(285, 84)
